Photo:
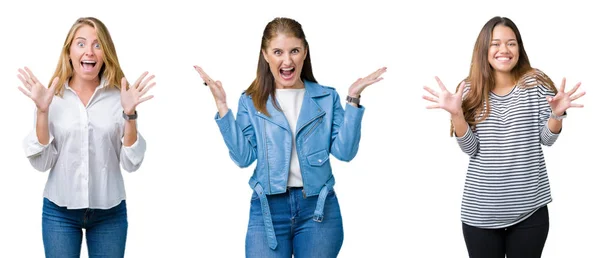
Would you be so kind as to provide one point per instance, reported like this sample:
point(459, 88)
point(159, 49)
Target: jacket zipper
point(267, 154)
point(313, 127)
point(304, 183)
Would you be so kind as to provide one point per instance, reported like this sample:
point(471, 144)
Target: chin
point(504, 69)
point(287, 83)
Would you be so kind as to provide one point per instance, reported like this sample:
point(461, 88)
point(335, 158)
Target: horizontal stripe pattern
point(506, 179)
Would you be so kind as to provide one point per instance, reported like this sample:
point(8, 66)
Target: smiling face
point(503, 54)
point(86, 54)
point(285, 55)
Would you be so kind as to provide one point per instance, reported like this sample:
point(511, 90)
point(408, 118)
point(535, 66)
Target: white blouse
point(85, 150)
point(290, 101)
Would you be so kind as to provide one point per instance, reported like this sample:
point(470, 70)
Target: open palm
point(216, 87)
point(41, 96)
point(564, 100)
point(134, 95)
point(444, 99)
point(361, 83)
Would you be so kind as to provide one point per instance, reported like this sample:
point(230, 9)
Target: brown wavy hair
point(110, 70)
point(263, 85)
point(481, 75)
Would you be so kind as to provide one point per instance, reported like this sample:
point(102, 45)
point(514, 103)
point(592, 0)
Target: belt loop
point(318, 216)
point(266, 213)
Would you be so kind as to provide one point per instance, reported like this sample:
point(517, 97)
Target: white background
point(400, 196)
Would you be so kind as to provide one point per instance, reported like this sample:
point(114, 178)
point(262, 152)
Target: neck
point(79, 84)
point(503, 80)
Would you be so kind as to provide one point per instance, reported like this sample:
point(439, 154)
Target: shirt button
point(320, 161)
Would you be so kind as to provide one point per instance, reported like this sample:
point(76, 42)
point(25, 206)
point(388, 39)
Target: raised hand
point(41, 96)
point(564, 100)
point(216, 88)
point(446, 100)
point(359, 85)
point(133, 96)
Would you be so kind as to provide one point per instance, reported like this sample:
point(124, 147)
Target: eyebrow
point(500, 40)
point(276, 48)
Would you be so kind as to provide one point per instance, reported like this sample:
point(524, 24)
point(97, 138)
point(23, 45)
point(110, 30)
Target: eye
point(277, 52)
point(80, 44)
point(295, 51)
point(97, 45)
point(512, 44)
point(495, 44)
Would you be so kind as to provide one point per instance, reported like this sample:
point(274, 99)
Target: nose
point(89, 51)
point(287, 59)
point(503, 48)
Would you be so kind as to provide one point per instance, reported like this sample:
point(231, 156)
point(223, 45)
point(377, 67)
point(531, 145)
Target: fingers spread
point(574, 89)
point(440, 84)
point(578, 95)
point(145, 82)
point(430, 99)
point(27, 93)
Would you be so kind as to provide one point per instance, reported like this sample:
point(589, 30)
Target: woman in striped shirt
point(506, 190)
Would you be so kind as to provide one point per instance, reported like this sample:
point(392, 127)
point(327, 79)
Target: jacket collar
point(310, 108)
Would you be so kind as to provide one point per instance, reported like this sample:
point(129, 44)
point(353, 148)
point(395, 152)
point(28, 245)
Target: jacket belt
point(266, 212)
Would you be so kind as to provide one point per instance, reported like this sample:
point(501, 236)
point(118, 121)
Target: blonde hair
point(110, 71)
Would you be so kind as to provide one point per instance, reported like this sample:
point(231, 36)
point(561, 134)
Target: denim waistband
point(266, 212)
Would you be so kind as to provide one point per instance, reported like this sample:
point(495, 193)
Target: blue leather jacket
point(323, 128)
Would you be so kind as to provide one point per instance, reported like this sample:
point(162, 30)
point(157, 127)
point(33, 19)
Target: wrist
point(458, 115)
point(355, 101)
point(130, 117)
point(42, 111)
point(221, 105)
point(129, 112)
point(560, 117)
point(354, 94)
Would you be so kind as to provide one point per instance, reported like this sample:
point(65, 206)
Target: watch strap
point(552, 115)
point(353, 100)
point(130, 117)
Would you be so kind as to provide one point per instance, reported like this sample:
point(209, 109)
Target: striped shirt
point(506, 179)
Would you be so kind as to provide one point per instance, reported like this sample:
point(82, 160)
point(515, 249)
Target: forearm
point(347, 132)
point(41, 128)
point(223, 109)
point(554, 125)
point(460, 124)
point(467, 140)
point(238, 138)
point(130, 135)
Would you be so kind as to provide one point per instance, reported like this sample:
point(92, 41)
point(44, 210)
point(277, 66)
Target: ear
point(264, 55)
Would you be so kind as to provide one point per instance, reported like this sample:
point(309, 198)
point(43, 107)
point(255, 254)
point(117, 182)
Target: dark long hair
point(481, 75)
point(263, 85)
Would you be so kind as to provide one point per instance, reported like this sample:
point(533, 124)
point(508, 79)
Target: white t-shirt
point(290, 101)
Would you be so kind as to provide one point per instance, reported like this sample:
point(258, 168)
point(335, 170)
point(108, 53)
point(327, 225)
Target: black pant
point(523, 240)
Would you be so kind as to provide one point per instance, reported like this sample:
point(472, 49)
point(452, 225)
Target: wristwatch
point(552, 115)
point(130, 117)
point(353, 100)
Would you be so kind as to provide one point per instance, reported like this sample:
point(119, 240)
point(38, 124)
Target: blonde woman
point(85, 129)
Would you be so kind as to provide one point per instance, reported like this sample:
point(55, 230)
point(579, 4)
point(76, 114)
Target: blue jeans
point(105, 231)
point(297, 233)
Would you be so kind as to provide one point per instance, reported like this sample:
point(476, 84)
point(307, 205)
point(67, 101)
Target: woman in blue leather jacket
point(290, 124)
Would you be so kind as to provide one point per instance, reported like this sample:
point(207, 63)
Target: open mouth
point(287, 73)
point(88, 65)
point(503, 59)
